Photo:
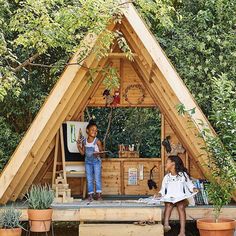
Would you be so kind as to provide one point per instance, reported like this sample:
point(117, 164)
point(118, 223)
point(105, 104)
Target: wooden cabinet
point(115, 175)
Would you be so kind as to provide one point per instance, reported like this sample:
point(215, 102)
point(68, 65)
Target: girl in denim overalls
point(91, 147)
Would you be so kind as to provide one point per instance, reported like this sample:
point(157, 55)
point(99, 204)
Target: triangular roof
point(72, 94)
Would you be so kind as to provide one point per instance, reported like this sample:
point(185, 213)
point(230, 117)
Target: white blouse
point(176, 185)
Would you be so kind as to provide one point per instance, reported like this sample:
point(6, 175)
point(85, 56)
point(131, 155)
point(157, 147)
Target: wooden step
point(120, 230)
point(120, 214)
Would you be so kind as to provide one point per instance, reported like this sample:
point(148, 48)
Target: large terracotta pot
point(40, 220)
point(11, 232)
point(225, 227)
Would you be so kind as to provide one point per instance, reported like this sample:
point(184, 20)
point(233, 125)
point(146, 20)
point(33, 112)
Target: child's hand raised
point(79, 141)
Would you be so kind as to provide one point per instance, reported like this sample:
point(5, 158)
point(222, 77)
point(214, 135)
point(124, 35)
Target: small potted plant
point(220, 190)
point(10, 222)
point(39, 199)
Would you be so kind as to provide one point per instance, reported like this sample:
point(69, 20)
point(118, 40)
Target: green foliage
point(200, 43)
point(140, 126)
point(8, 141)
point(223, 171)
point(10, 218)
point(220, 162)
point(223, 114)
point(198, 36)
point(40, 197)
point(50, 30)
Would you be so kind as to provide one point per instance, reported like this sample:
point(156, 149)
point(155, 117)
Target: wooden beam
point(120, 55)
point(55, 158)
point(159, 87)
point(80, 99)
point(63, 155)
point(21, 155)
point(166, 104)
point(44, 170)
point(192, 213)
point(163, 105)
point(119, 214)
point(73, 114)
point(163, 135)
point(120, 229)
point(14, 179)
point(29, 168)
point(171, 76)
point(21, 189)
point(56, 127)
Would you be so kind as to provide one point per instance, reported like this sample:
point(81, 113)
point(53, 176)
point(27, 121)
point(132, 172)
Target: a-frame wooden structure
point(72, 94)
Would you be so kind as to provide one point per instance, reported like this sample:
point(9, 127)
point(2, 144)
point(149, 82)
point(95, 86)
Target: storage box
point(128, 154)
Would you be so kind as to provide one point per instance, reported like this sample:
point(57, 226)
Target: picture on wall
point(75, 131)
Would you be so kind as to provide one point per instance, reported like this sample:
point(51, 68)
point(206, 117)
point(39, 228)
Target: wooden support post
point(55, 158)
point(63, 154)
point(162, 148)
point(122, 179)
point(84, 187)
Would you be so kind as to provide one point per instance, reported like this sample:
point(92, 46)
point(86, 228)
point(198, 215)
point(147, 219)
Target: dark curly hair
point(179, 165)
point(91, 123)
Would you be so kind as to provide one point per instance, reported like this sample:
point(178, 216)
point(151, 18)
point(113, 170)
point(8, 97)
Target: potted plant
point(39, 199)
point(10, 222)
point(220, 190)
point(223, 180)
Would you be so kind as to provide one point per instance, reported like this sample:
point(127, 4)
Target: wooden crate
point(128, 154)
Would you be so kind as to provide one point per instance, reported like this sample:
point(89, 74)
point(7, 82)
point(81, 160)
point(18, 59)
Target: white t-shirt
point(176, 185)
point(93, 144)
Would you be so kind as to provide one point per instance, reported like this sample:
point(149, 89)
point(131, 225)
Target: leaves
point(139, 126)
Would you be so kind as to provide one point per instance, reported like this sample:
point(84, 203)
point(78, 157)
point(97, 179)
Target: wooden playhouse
point(152, 78)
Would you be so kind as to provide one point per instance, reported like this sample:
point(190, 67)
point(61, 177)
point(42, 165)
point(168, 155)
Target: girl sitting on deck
point(91, 148)
point(177, 184)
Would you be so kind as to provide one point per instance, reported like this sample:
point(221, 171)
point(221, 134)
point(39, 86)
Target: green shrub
point(10, 218)
point(40, 197)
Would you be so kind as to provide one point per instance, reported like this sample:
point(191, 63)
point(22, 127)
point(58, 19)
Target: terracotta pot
point(225, 227)
point(40, 220)
point(11, 232)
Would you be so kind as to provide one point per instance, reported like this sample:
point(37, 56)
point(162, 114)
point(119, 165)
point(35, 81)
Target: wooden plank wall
point(188, 161)
point(115, 171)
point(115, 177)
point(128, 76)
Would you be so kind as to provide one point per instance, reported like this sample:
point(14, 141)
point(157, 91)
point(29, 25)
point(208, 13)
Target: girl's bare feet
point(181, 234)
point(167, 228)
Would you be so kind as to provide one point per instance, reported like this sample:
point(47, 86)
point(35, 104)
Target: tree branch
point(88, 114)
point(26, 62)
point(108, 128)
point(51, 66)
point(123, 3)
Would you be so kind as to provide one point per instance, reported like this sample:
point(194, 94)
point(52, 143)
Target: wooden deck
point(73, 211)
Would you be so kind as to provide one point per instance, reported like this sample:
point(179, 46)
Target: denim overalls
point(92, 167)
